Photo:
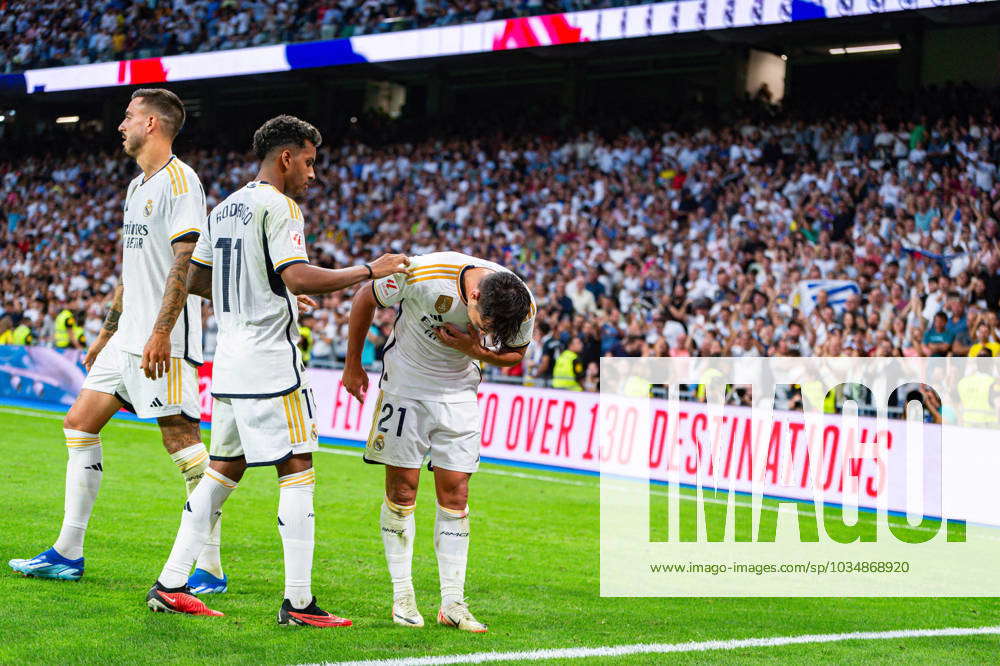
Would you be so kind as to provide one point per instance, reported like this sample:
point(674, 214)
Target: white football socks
point(192, 462)
point(397, 524)
point(201, 509)
point(451, 543)
point(296, 524)
point(84, 470)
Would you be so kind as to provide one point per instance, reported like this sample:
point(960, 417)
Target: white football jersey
point(417, 364)
point(254, 234)
point(167, 207)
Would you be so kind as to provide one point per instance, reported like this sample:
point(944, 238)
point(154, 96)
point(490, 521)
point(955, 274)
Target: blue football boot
point(202, 582)
point(49, 564)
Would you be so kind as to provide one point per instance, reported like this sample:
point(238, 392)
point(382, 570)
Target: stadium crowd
point(48, 34)
point(711, 240)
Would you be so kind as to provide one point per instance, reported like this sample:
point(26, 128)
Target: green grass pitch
point(533, 574)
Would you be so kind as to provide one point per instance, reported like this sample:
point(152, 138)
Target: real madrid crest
point(379, 442)
point(148, 210)
point(443, 304)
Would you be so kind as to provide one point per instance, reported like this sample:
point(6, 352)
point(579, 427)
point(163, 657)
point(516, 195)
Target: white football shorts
point(118, 373)
point(266, 431)
point(406, 431)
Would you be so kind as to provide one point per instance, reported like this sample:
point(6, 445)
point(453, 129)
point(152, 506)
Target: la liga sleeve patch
point(389, 290)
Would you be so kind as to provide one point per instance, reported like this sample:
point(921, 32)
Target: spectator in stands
point(626, 237)
point(937, 339)
point(985, 338)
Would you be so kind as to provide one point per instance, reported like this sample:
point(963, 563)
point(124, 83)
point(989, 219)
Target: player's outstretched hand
point(306, 304)
point(390, 264)
point(156, 356)
point(355, 380)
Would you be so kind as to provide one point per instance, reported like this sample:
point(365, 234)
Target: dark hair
point(504, 303)
point(168, 107)
point(282, 131)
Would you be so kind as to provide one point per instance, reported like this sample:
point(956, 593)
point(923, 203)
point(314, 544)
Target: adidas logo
point(156, 403)
point(96, 467)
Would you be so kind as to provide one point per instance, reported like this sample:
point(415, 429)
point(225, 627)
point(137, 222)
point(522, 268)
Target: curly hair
point(504, 304)
point(282, 131)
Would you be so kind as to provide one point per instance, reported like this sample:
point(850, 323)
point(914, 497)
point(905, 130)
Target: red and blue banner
point(662, 18)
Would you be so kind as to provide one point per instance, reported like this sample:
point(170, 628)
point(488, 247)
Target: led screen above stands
point(664, 18)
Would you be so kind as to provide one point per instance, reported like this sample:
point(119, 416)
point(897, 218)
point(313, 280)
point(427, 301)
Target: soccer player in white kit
point(250, 257)
point(147, 353)
point(427, 406)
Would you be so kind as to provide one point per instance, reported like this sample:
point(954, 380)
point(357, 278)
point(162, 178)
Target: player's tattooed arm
point(156, 355)
point(108, 329)
point(199, 281)
point(114, 313)
point(175, 291)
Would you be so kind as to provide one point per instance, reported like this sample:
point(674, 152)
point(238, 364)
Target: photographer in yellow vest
point(569, 368)
point(67, 330)
point(6, 330)
point(305, 337)
point(23, 334)
point(978, 391)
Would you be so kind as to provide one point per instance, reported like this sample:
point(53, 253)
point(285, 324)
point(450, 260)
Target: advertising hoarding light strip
point(65, 120)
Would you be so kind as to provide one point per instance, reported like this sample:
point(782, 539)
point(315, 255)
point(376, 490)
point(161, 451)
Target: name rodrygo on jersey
point(249, 238)
point(161, 210)
point(417, 364)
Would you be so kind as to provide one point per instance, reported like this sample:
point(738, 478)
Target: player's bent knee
point(178, 432)
point(401, 490)
point(77, 419)
point(231, 469)
point(452, 488)
point(299, 462)
point(402, 495)
point(401, 485)
point(456, 500)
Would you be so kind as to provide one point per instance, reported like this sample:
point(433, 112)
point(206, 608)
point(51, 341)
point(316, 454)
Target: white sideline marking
point(340, 452)
point(59, 417)
point(665, 648)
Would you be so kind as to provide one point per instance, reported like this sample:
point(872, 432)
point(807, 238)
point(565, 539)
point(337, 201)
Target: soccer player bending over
point(146, 355)
point(427, 404)
point(249, 260)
